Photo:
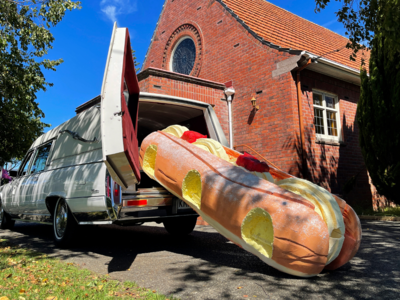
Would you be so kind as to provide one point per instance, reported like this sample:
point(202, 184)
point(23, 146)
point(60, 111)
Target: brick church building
point(300, 75)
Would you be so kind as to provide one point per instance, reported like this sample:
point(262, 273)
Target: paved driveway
point(205, 265)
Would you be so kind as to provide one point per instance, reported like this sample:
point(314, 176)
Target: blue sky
point(83, 37)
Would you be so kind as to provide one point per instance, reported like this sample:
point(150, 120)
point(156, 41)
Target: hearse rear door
point(119, 111)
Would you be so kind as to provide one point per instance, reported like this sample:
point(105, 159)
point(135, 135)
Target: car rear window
point(41, 158)
point(25, 165)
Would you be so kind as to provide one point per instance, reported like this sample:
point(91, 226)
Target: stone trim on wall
point(180, 77)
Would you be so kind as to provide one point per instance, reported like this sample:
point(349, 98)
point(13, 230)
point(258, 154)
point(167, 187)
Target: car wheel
point(180, 226)
point(5, 220)
point(64, 224)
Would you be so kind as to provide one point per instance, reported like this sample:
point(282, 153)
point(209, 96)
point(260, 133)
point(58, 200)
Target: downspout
point(230, 92)
point(298, 85)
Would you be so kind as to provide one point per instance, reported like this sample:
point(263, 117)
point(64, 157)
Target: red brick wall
point(167, 86)
point(333, 166)
point(249, 64)
point(229, 52)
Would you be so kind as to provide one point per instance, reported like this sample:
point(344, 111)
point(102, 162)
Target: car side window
point(41, 158)
point(25, 166)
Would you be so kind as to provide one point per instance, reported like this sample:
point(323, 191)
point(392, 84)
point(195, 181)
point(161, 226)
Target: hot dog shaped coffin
point(281, 228)
point(353, 231)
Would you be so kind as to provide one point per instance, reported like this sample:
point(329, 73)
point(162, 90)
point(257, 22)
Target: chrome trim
point(23, 164)
point(152, 218)
point(138, 208)
point(53, 143)
point(149, 191)
point(113, 208)
point(85, 197)
point(76, 136)
point(34, 218)
point(31, 221)
point(178, 216)
point(64, 167)
point(1, 211)
point(33, 214)
point(96, 223)
point(145, 196)
point(74, 155)
point(99, 216)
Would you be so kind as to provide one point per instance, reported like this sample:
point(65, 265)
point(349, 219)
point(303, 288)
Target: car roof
point(87, 108)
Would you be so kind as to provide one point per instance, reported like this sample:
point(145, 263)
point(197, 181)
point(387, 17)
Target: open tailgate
point(119, 111)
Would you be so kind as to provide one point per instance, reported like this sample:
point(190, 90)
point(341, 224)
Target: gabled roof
point(287, 30)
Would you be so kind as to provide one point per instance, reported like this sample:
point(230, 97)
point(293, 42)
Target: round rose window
point(184, 56)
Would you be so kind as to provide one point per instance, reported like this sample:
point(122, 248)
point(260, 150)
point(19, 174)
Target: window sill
point(327, 141)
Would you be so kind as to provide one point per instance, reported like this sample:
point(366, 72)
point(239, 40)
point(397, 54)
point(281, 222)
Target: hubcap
point(61, 219)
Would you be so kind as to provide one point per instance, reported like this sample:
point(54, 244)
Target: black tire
point(180, 226)
point(64, 225)
point(5, 219)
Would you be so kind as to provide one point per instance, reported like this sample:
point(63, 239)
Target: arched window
point(183, 56)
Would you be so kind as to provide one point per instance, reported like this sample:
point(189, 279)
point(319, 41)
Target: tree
point(135, 61)
point(376, 24)
point(364, 18)
point(378, 114)
point(25, 39)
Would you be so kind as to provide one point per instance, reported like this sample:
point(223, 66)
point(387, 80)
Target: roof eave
point(353, 75)
point(332, 68)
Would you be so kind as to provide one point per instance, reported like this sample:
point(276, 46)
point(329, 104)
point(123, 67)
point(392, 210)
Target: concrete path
point(205, 265)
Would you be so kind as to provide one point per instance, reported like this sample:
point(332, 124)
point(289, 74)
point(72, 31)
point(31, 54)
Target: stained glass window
point(184, 57)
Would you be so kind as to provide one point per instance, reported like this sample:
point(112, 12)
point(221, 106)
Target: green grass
point(386, 212)
point(26, 274)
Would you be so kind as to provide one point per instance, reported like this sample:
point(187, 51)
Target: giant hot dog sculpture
point(291, 224)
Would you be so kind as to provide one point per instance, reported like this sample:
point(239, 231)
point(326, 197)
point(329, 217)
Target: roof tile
point(287, 30)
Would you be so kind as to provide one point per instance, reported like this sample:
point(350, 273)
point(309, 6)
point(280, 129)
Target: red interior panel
point(130, 112)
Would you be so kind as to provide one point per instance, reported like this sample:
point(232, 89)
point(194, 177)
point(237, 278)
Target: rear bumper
point(128, 216)
point(158, 208)
point(155, 214)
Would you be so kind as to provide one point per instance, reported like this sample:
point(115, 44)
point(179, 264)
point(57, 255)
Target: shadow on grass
point(8, 250)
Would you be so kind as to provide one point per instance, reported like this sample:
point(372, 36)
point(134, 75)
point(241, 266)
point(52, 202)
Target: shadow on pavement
point(207, 256)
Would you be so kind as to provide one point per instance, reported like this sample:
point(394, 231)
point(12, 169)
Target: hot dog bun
point(281, 228)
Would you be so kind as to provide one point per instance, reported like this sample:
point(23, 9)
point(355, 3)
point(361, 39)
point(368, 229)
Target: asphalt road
point(205, 265)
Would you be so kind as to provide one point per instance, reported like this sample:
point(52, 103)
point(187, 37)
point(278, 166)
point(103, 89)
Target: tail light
point(142, 202)
point(113, 190)
point(117, 193)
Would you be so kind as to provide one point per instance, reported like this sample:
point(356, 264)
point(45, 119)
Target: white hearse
point(86, 171)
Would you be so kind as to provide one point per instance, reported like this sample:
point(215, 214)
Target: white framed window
point(326, 116)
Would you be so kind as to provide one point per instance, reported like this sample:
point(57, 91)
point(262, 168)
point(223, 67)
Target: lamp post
point(230, 93)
